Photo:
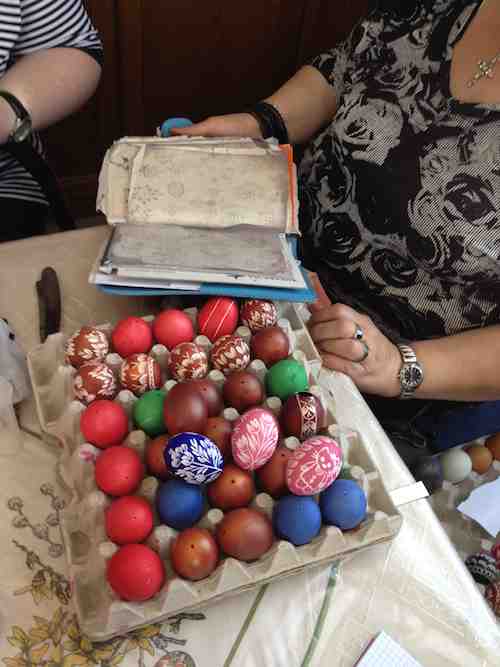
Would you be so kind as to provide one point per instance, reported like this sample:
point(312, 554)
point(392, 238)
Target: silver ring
point(366, 352)
point(358, 332)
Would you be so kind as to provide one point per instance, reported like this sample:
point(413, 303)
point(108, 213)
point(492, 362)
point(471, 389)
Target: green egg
point(285, 378)
point(148, 412)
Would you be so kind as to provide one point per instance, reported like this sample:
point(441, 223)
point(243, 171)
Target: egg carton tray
point(102, 615)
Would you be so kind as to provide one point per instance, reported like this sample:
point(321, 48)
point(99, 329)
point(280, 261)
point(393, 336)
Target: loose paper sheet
point(483, 506)
point(385, 652)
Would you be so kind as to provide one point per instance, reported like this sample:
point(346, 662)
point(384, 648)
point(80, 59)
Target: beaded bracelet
point(270, 122)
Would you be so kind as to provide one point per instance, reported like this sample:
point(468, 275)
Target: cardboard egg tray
point(102, 615)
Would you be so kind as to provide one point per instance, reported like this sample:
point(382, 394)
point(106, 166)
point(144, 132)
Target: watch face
point(411, 376)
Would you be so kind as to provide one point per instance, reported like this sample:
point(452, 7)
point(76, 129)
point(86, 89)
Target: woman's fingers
point(230, 125)
point(350, 349)
point(333, 330)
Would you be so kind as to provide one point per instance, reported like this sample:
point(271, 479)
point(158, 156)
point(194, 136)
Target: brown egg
point(185, 410)
point(242, 390)
point(232, 489)
point(87, 344)
point(481, 458)
point(194, 554)
point(493, 444)
point(245, 534)
point(211, 394)
point(154, 457)
point(94, 380)
point(302, 415)
point(272, 476)
point(270, 345)
point(219, 430)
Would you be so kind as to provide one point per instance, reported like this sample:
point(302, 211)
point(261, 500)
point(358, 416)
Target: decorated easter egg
point(313, 466)
point(456, 465)
point(232, 489)
point(254, 438)
point(302, 416)
point(172, 327)
point(242, 390)
point(230, 354)
point(245, 534)
point(148, 412)
point(188, 361)
point(154, 457)
point(86, 344)
point(218, 317)
point(493, 444)
point(285, 378)
point(179, 504)
point(272, 475)
point(119, 471)
point(194, 554)
point(258, 314)
point(429, 471)
point(481, 458)
point(495, 552)
point(93, 381)
point(129, 519)
point(483, 568)
point(140, 373)
point(297, 519)
point(270, 345)
point(104, 423)
point(219, 430)
point(135, 572)
point(492, 595)
point(132, 335)
point(211, 394)
point(194, 458)
point(184, 409)
point(343, 504)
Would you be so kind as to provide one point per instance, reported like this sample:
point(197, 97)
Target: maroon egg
point(230, 354)
point(184, 410)
point(219, 430)
point(257, 314)
point(232, 489)
point(155, 458)
point(194, 554)
point(243, 390)
point(245, 534)
point(270, 345)
point(272, 476)
point(85, 345)
point(302, 416)
point(188, 361)
point(94, 380)
point(211, 394)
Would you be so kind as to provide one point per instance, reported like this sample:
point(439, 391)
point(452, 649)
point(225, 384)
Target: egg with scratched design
point(302, 416)
point(194, 458)
point(94, 380)
point(188, 361)
point(257, 314)
point(140, 373)
point(254, 438)
point(314, 466)
point(230, 354)
point(85, 345)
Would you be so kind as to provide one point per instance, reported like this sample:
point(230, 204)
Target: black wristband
point(270, 122)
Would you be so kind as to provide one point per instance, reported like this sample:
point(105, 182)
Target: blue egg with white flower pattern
point(193, 458)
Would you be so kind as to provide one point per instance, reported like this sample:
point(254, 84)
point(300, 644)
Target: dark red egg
point(245, 534)
point(232, 489)
point(135, 572)
point(194, 554)
point(302, 416)
point(243, 390)
point(155, 458)
point(86, 344)
point(211, 394)
point(184, 409)
point(270, 345)
point(119, 471)
point(272, 476)
point(172, 327)
point(132, 335)
point(104, 424)
point(94, 380)
point(140, 373)
point(129, 519)
point(219, 430)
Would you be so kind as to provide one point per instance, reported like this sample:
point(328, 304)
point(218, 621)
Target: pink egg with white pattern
point(254, 438)
point(188, 361)
point(230, 353)
point(314, 466)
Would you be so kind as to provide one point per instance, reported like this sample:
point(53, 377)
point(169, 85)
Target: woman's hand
point(232, 125)
point(350, 343)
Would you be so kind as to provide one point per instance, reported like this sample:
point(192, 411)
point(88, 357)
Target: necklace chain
point(485, 69)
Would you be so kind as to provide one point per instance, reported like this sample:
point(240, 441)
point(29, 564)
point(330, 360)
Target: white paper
point(482, 506)
point(385, 652)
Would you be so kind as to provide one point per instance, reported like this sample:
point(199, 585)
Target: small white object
point(273, 403)
point(231, 414)
point(245, 333)
point(482, 506)
point(408, 494)
point(385, 652)
point(114, 361)
point(258, 368)
point(161, 354)
point(456, 465)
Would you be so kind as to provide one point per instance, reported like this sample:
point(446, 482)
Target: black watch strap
point(22, 127)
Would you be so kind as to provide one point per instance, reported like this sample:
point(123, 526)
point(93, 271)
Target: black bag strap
point(37, 166)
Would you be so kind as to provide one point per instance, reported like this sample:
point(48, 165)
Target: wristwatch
point(22, 126)
point(411, 373)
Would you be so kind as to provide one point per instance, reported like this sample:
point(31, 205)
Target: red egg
point(218, 317)
point(245, 534)
point(93, 381)
point(211, 394)
point(302, 416)
point(185, 410)
point(270, 345)
point(272, 476)
point(232, 489)
point(104, 424)
point(194, 554)
point(219, 430)
point(257, 314)
point(87, 344)
point(230, 354)
point(129, 519)
point(132, 335)
point(135, 573)
point(119, 471)
point(188, 361)
point(172, 327)
point(243, 390)
point(140, 373)
point(155, 458)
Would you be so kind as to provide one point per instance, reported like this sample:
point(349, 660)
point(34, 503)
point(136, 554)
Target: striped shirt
point(27, 26)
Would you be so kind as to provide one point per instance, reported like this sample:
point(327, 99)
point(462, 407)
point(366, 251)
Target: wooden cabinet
point(185, 58)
